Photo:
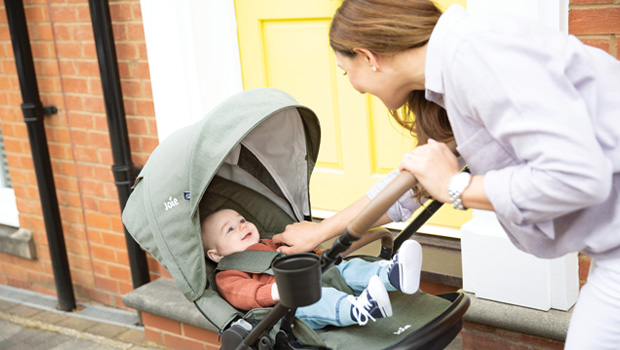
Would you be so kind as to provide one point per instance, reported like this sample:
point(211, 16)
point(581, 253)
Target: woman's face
point(386, 83)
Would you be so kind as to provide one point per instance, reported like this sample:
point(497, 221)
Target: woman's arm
point(305, 236)
point(433, 165)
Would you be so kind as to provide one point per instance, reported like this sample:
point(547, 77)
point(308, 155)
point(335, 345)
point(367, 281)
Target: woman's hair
point(388, 27)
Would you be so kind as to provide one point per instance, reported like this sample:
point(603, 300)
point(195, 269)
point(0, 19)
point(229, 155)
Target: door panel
point(284, 44)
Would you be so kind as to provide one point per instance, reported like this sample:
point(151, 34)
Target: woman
point(534, 113)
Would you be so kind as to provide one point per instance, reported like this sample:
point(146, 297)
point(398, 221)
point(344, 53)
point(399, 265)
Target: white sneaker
point(404, 269)
point(373, 303)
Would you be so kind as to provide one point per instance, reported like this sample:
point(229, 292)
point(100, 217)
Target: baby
point(226, 232)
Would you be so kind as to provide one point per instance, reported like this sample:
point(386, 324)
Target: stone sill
point(18, 242)
point(551, 324)
point(162, 298)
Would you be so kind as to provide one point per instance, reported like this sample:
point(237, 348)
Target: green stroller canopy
point(261, 138)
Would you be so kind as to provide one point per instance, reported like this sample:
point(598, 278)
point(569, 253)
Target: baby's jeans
point(333, 308)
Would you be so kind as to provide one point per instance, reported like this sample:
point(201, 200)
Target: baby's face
point(230, 233)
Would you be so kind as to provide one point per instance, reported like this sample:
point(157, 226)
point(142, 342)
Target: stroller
point(254, 153)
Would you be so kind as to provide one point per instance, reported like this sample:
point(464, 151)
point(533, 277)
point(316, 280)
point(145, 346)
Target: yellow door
point(284, 44)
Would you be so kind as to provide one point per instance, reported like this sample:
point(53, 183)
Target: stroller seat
point(254, 154)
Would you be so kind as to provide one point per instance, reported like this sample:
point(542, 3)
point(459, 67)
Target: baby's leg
point(357, 273)
point(402, 273)
point(332, 309)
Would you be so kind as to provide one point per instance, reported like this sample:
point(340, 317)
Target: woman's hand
point(433, 165)
point(300, 237)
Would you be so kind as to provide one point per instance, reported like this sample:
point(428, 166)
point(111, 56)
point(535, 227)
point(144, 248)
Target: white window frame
point(8, 206)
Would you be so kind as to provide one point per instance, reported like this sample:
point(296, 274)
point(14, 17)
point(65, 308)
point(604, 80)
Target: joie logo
point(402, 329)
point(171, 203)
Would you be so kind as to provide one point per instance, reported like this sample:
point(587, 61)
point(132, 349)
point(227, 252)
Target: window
point(8, 207)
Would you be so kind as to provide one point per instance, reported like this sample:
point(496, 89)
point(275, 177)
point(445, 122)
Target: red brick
point(89, 50)
point(200, 334)
point(67, 67)
point(124, 288)
point(106, 284)
point(136, 11)
point(154, 321)
point(94, 86)
point(148, 90)
point(120, 12)
point(8, 67)
point(80, 120)
point(74, 103)
point(69, 49)
point(113, 240)
point(63, 13)
point(98, 221)
point(532, 341)
point(87, 68)
point(105, 156)
point(36, 14)
point(119, 272)
point(97, 295)
point(94, 104)
point(126, 50)
point(102, 252)
point(145, 108)
point(99, 139)
point(584, 2)
point(87, 154)
point(594, 21)
point(116, 221)
point(77, 85)
point(62, 31)
point(120, 31)
point(142, 51)
point(83, 13)
point(123, 69)
point(135, 31)
point(181, 343)
point(44, 32)
point(584, 266)
point(71, 215)
point(131, 88)
point(82, 32)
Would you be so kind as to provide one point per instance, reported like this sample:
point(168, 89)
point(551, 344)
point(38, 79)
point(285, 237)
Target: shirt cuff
point(497, 189)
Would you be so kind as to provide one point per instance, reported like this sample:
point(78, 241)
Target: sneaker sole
point(411, 285)
point(378, 292)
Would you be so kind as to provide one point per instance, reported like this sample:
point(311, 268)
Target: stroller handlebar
point(366, 219)
point(381, 203)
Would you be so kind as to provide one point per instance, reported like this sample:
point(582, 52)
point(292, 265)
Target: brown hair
point(388, 27)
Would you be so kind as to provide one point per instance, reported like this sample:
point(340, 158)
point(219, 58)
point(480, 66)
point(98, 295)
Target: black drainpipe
point(123, 168)
point(33, 116)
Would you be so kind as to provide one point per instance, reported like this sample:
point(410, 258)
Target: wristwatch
point(458, 183)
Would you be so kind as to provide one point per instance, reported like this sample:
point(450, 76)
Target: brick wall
point(65, 59)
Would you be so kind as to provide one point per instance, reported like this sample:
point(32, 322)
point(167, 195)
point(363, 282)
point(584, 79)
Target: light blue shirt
point(538, 113)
